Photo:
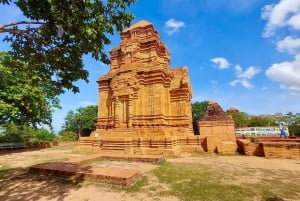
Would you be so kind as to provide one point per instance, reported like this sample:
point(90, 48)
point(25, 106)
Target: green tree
point(54, 36)
point(82, 121)
point(46, 52)
point(43, 135)
point(23, 133)
point(241, 119)
point(294, 127)
point(262, 120)
point(24, 99)
point(12, 133)
point(198, 110)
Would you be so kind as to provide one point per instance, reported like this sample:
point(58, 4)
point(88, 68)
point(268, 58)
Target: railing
point(259, 131)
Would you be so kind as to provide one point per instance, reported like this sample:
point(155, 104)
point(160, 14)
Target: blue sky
point(241, 53)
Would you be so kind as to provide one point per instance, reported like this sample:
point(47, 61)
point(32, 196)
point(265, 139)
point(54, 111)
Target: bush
point(67, 135)
point(15, 133)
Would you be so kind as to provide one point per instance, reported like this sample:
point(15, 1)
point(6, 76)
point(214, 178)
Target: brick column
point(117, 113)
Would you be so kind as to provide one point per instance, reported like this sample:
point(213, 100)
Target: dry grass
point(186, 177)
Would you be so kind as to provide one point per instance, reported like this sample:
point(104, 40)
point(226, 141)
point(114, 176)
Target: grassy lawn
point(198, 182)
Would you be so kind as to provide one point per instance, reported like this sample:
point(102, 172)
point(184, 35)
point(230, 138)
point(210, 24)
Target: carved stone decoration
point(145, 106)
point(141, 95)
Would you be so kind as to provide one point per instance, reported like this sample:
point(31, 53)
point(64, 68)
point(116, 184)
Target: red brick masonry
point(118, 176)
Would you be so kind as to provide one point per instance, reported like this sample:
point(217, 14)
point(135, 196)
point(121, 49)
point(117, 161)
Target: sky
point(241, 53)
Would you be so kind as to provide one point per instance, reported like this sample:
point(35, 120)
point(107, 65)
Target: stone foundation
point(117, 176)
point(142, 146)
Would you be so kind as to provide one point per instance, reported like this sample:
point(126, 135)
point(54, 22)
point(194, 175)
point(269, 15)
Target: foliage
point(198, 111)
point(262, 120)
point(24, 99)
point(294, 127)
point(15, 133)
point(241, 119)
point(67, 135)
point(82, 121)
point(55, 35)
point(12, 133)
point(43, 135)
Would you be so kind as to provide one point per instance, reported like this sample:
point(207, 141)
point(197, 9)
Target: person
point(282, 130)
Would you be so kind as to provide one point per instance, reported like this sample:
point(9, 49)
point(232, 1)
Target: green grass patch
point(138, 186)
point(4, 171)
point(198, 182)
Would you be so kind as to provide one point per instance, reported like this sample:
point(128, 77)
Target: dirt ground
point(25, 187)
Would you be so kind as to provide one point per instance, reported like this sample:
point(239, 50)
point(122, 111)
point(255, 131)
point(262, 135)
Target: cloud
point(248, 73)
point(244, 82)
point(173, 26)
point(287, 74)
point(221, 62)
point(294, 21)
point(244, 76)
point(285, 13)
point(289, 44)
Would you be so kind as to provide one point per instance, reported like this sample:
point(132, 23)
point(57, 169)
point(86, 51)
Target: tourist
point(282, 130)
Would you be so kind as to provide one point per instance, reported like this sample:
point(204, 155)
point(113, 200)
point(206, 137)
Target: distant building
point(232, 110)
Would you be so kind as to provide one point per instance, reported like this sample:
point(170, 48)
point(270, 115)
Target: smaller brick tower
point(218, 129)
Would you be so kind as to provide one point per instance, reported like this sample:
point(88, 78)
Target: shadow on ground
point(20, 185)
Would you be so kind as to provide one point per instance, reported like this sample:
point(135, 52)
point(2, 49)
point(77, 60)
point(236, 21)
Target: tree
point(22, 133)
point(47, 49)
point(262, 120)
point(56, 34)
point(294, 127)
point(198, 111)
point(241, 119)
point(24, 99)
point(82, 121)
point(43, 135)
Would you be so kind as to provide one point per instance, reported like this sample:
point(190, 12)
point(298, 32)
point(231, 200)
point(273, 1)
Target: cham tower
point(142, 101)
point(217, 128)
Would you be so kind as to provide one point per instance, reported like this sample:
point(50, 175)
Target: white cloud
point(289, 44)
point(221, 62)
point(294, 21)
point(287, 74)
point(244, 82)
point(243, 77)
point(173, 26)
point(248, 73)
point(285, 13)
